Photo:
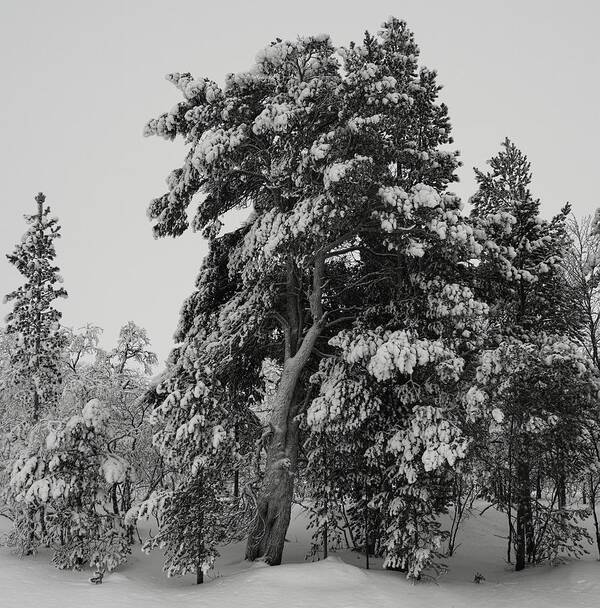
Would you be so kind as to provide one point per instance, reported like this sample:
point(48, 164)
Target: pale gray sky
point(80, 78)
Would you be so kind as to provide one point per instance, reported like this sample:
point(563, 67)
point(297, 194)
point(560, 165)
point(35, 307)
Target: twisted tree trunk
point(267, 536)
point(274, 503)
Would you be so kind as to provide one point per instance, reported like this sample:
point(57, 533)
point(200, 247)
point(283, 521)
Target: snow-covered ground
point(337, 582)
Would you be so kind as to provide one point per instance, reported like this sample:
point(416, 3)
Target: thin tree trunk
point(326, 526)
point(236, 473)
point(593, 497)
point(115, 499)
point(35, 414)
point(200, 547)
point(509, 492)
point(562, 491)
point(126, 505)
point(366, 515)
point(523, 512)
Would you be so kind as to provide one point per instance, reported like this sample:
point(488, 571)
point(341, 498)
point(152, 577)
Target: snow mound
point(332, 583)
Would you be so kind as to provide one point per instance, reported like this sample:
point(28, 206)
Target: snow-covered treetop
point(33, 257)
point(34, 321)
point(522, 253)
point(133, 346)
point(330, 146)
point(304, 124)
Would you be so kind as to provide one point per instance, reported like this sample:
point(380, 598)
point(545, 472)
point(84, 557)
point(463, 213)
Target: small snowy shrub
point(62, 490)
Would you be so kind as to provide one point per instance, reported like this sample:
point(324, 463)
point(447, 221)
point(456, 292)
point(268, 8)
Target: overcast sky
point(80, 78)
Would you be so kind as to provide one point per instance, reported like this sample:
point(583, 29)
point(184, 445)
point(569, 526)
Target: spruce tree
point(520, 273)
point(205, 434)
point(522, 278)
point(34, 321)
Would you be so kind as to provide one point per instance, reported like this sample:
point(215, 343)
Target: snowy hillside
point(338, 582)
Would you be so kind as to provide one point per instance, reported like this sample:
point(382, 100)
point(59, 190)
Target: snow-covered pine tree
point(520, 273)
point(33, 320)
point(522, 278)
point(392, 396)
point(541, 402)
point(205, 432)
point(329, 146)
point(197, 513)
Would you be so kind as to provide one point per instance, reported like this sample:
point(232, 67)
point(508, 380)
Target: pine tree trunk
point(325, 533)
point(593, 498)
point(200, 546)
point(509, 495)
point(236, 473)
point(35, 414)
point(115, 499)
point(236, 484)
point(530, 534)
point(267, 536)
point(523, 513)
point(366, 518)
point(274, 503)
